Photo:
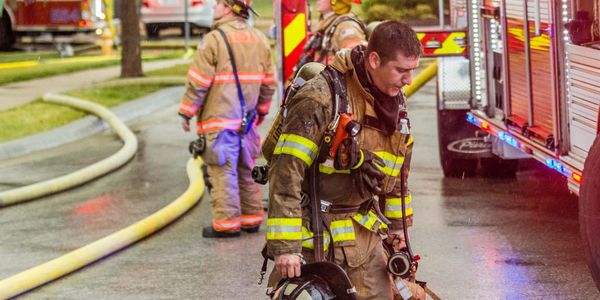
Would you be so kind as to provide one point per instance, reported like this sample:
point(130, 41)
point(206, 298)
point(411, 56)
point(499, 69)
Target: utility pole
point(186, 26)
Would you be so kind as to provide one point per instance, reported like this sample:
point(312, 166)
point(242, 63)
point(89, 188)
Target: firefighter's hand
point(288, 265)
point(396, 239)
point(367, 175)
point(185, 124)
point(260, 119)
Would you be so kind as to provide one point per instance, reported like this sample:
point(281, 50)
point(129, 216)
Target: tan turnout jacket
point(211, 92)
point(347, 35)
point(309, 112)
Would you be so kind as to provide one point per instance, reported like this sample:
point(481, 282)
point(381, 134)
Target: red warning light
point(485, 126)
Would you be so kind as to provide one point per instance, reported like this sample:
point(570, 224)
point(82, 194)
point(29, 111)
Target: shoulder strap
point(337, 85)
point(331, 29)
point(235, 73)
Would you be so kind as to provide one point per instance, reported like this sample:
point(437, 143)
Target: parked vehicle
point(161, 14)
point(531, 87)
point(58, 17)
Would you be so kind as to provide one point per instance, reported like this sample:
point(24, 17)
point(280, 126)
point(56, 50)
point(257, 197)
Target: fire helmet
point(341, 7)
point(241, 8)
point(319, 281)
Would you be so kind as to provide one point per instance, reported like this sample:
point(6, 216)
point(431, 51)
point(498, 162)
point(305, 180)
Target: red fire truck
point(530, 85)
point(527, 85)
point(23, 17)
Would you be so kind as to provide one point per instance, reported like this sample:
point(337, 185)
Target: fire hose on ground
point(90, 253)
point(100, 168)
point(83, 175)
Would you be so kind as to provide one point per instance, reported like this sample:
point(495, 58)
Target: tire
point(7, 36)
point(452, 127)
point(499, 168)
point(589, 210)
point(152, 30)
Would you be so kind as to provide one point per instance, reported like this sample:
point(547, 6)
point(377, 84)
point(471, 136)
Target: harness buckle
point(325, 206)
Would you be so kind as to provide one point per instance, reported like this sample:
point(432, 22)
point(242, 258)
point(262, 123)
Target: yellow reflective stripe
point(284, 229)
point(369, 221)
point(342, 230)
point(294, 33)
point(297, 146)
point(327, 168)
point(410, 141)
point(393, 207)
point(393, 163)
point(307, 239)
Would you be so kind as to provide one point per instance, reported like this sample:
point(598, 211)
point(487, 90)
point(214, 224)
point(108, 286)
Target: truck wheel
point(7, 36)
point(152, 30)
point(496, 167)
point(589, 210)
point(452, 127)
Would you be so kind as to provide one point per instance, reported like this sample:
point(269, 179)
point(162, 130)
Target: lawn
point(53, 67)
point(178, 70)
point(39, 116)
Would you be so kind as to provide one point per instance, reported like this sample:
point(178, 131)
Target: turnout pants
point(363, 260)
point(236, 200)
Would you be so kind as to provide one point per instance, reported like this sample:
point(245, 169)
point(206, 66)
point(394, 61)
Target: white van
point(161, 14)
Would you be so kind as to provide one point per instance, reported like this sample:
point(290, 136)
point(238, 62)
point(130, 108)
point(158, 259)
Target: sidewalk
point(20, 93)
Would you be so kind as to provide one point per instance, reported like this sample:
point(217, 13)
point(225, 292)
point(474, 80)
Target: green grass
point(51, 69)
point(178, 70)
point(20, 56)
point(264, 8)
point(39, 116)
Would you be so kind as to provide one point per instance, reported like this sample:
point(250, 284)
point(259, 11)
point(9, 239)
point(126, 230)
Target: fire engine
point(516, 79)
point(528, 88)
point(27, 17)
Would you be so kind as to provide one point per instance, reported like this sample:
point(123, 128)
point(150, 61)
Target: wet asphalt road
point(478, 238)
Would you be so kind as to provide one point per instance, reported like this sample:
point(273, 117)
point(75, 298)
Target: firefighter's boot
point(210, 232)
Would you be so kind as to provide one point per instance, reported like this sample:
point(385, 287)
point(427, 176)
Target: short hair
point(391, 37)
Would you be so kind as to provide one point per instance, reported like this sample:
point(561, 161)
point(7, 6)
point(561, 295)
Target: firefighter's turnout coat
point(358, 246)
point(346, 34)
point(212, 97)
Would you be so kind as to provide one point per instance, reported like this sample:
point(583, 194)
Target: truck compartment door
point(531, 70)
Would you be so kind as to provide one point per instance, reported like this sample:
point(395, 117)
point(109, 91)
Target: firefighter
point(338, 29)
point(227, 111)
point(360, 189)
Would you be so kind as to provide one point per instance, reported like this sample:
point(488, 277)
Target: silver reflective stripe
point(342, 230)
point(280, 229)
point(405, 292)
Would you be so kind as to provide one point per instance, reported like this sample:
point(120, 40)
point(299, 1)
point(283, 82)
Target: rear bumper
point(201, 18)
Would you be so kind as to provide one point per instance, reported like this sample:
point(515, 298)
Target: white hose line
point(83, 175)
point(44, 273)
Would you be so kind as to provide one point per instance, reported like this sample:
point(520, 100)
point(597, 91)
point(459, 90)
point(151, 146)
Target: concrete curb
point(90, 125)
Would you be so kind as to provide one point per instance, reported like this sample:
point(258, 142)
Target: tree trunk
point(131, 55)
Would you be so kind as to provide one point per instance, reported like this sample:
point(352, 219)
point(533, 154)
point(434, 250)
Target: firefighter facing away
point(361, 183)
point(230, 96)
point(338, 29)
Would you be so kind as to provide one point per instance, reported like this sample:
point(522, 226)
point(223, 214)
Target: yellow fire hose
point(83, 175)
point(90, 253)
point(421, 79)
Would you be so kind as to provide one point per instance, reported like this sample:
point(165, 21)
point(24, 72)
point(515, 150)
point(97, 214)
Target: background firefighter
point(338, 29)
point(382, 149)
point(212, 96)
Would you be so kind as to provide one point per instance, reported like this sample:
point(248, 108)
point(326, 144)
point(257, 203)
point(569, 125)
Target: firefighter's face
point(391, 76)
point(324, 6)
point(221, 10)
